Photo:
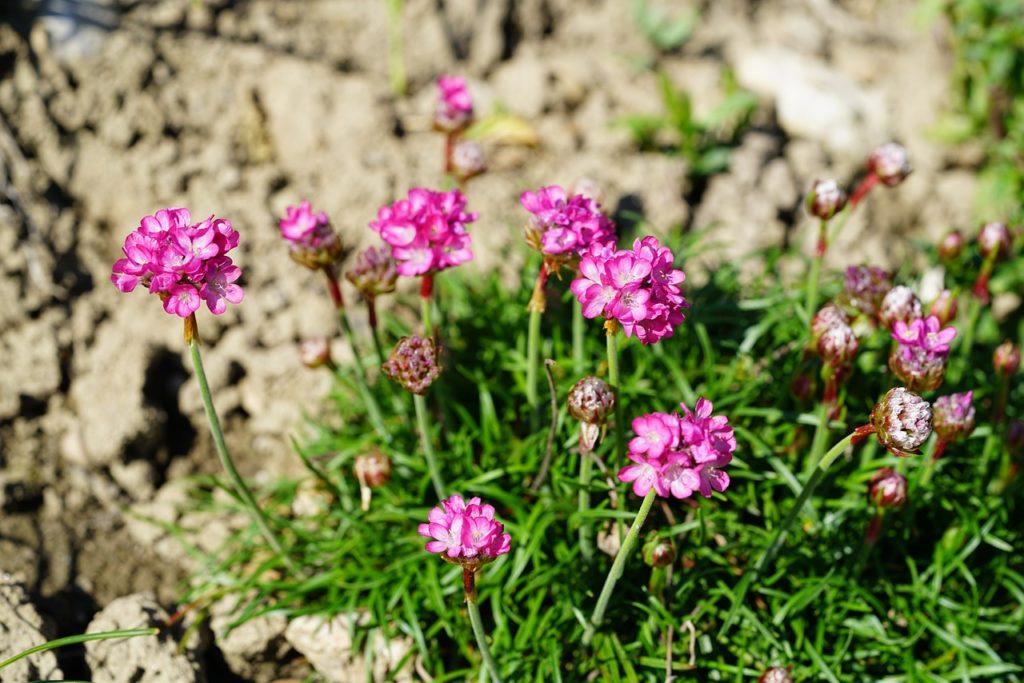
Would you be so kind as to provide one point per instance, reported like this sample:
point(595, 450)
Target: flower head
point(468, 159)
point(465, 532)
point(454, 109)
point(311, 239)
point(414, 364)
point(659, 551)
point(825, 199)
point(902, 420)
point(315, 352)
point(951, 246)
point(678, 455)
point(372, 469)
point(1006, 359)
point(776, 674)
point(563, 227)
point(374, 272)
point(944, 307)
point(637, 287)
point(953, 416)
point(426, 231)
point(994, 240)
point(184, 264)
point(826, 317)
point(900, 303)
point(838, 345)
point(591, 400)
point(887, 488)
point(890, 163)
point(865, 287)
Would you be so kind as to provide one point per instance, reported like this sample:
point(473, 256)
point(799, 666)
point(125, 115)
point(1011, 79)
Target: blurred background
point(707, 116)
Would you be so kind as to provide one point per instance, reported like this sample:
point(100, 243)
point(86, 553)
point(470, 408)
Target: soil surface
point(112, 109)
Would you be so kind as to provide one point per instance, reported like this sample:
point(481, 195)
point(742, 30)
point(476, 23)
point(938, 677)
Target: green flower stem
point(929, 462)
point(362, 385)
point(75, 640)
point(617, 567)
point(533, 360)
point(812, 483)
point(613, 382)
point(428, 449)
point(814, 274)
point(426, 302)
point(478, 627)
point(577, 337)
point(973, 311)
point(225, 457)
point(586, 467)
point(396, 48)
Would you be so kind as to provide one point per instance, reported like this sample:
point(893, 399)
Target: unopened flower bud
point(865, 287)
point(902, 420)
point(889, 163)
point(917, 368)
point(776, 674)
point(825, 199)
point(951, 246)
point(887, 488)
point(827, 316)
point(591, 401)
point(315, 352)
point(468, 159)
point(899, 304)
point(953, 416)
point(838, 345)
point(1006, 359)
point(994, 240)
point(659, 551)
point(374, 272)
point(944, 307)
point(311, 238)
point(414, 364)
point(373, 469)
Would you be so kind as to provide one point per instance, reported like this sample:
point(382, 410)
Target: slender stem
point(812, 483)
point(613, 382)
point(75, 640)
point(549, 445)
point(533, 361)
point(577, 337)
point(428, 449)
point(617, 567)
point(586, 467)
point(396, 48)
point(426, 294)
point(814, 274)
point(478, 631)
point(362, 386)
point(225, 458)
point(973, 311)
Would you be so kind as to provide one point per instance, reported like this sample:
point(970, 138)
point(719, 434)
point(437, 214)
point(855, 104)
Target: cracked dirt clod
point(22, 627)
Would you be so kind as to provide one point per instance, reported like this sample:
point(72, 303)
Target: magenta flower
point(639, 288)
point(953, 416)
point(925, 333)
point(465, 533)
point(454, 104)
point(426, 231)
point(923, 351)
point(311, 239)
point(864, 287)
point(678, 455)
point(564, 226)
point(184, 264)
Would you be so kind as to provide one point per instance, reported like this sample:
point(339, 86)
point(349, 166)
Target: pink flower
point(300, 222)
point(678, 455)
point(426, 231)
point(639, 288)
point(564, 226)
point(465, 533)
point(925, 333)
point(454, 105)
point(920, 358)
point(184, 264)
point(311, 239)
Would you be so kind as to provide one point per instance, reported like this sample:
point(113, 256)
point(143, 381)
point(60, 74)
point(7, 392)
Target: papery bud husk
point(919, 370)
point(591, 401)
point(890, 163)
point(1006, 359)
point(776, 674)
point(902, 420)
point(887, 488)
point(825, 199)
point(951, 246)
point(944, 307)
point(900, 303)
point(373, 468)
point(994, 241)
point(414, 363)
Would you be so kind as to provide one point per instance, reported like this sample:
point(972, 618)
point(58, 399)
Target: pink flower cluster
point(562, 224)
point(311, 239)
point(426, 231)
point(921, 356)
point(925, 334)
point(679, 454)
point(184, 264)
point(462, 531)
point(637, 287)
point(454, 104)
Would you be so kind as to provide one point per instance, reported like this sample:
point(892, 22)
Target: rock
point(22, 627)
point(328, 647)
point(520, 85)
point(254, 650)
point(145, 659)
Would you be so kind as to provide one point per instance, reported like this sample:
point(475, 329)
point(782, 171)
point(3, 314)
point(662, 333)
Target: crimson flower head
point(1006, 359)
point(953, 416)
point(900, 303)
point(920, 357)
point(994, 240)
point(311, 239)
point(426, 231)
point(678, 455)
point(414, 364)
point(887, 488)
point(890, 163)
point(944, 307)
point(562, 227)
point(637, 287)
point(951, 246)
point(181, 262)
point(454, 104)
point(902, 420)
point(374, 272)
point(825, 199)
point(465, 532)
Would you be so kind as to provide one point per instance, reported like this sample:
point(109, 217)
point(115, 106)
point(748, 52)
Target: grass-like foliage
point(940, 596)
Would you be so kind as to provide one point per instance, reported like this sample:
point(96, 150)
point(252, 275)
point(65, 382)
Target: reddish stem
point(940, 448)
point(469, 583)
point(874, 528)
point(371, 312)
point(862, 190)
point(822, 239)
point(449, 147)
point(427, 286)
point(980, 288)
point(334, 288)
point(537, 299)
